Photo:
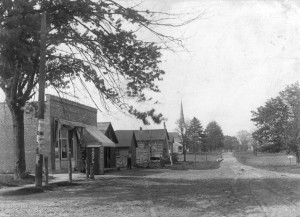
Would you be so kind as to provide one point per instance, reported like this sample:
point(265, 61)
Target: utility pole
point(41, 104)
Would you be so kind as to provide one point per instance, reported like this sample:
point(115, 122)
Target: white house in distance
point(177, 142)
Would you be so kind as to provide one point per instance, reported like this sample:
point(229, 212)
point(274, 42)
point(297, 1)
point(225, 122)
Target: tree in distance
point(214, 136)
point(88, 42)
point(194, 135)
point(231, 143)
point(245, 140)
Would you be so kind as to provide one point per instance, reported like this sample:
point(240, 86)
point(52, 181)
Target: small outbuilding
point(152, 145)
point(127, 145)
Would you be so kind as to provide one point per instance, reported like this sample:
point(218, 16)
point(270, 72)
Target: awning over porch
point(70, 123)
point(93, 137)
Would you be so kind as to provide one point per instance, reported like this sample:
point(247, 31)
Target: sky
point(238, 55)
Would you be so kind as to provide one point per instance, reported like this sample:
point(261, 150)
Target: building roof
point(107, 129)
point(177, 144)
point(154, 134)
point(125, 138)
point(175, 136)
point(93, 138)
point(103, 126)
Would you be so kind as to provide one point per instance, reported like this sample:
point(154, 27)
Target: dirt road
point(231, 190)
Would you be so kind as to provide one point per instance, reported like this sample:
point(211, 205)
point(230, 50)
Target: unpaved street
point(231, 190)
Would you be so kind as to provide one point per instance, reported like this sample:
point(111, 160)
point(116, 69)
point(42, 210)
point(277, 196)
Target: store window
point(63, 143)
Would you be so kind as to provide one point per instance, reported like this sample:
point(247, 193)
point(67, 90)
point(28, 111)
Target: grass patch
point(189, 165)
point(277, 163)
point(23, 191)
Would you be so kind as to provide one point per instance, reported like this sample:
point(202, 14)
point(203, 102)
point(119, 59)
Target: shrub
point(175, 157)
point(166, 158)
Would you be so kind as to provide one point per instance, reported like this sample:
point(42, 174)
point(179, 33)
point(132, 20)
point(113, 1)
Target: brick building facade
point(7, 147)
point(68, 125)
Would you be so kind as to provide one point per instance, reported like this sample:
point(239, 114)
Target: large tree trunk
point(18, 139)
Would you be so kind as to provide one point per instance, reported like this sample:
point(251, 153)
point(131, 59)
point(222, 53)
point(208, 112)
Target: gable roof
point(107, 129)
point(103, 126)
point(175, 136)
point(155, 134)
point(94, 138)
point(125, 138)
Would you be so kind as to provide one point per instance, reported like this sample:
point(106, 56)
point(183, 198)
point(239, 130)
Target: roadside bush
point(166, 159)
point(175, 157)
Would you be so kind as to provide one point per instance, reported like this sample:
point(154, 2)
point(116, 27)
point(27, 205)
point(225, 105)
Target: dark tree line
point(198, 139)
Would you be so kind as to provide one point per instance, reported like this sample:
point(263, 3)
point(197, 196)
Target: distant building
point(109, 152)
point(127, 145)
point(177, 142)
point(152, 144)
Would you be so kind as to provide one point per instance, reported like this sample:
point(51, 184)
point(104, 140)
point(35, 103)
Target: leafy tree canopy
point(271, 121)
point(231, 143)
point(214, 136)
point(245, 139)
point(277, 122)
point(88, 41)
point(194, 135)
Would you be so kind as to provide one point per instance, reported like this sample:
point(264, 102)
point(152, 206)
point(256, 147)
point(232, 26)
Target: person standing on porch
point(129, 161)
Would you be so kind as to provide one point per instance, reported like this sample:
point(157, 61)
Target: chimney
point(141, 128)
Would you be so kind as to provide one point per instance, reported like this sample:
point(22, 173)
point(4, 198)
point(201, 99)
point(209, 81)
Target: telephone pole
point(41, 103)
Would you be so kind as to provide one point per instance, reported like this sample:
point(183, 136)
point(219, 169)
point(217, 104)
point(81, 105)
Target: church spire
point(181, 120)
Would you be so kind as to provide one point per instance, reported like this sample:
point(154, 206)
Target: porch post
point(87, 164)
point(101, 160)
point(69, 164)
point(92, 172)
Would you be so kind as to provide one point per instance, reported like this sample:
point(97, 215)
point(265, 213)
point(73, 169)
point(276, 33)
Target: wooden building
point(127, 145)
point(176, 140)
point(151, 145)
point(109, 152)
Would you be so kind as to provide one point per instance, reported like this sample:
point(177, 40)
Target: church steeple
point(181, 120)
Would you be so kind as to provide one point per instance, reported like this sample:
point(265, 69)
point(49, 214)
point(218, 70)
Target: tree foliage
point(214, 136)
point(88, 42)
point(245, 139)
point(231, 143)
point(277, 122)
point(194, 135)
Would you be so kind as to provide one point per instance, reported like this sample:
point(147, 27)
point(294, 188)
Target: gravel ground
point(231, 190)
